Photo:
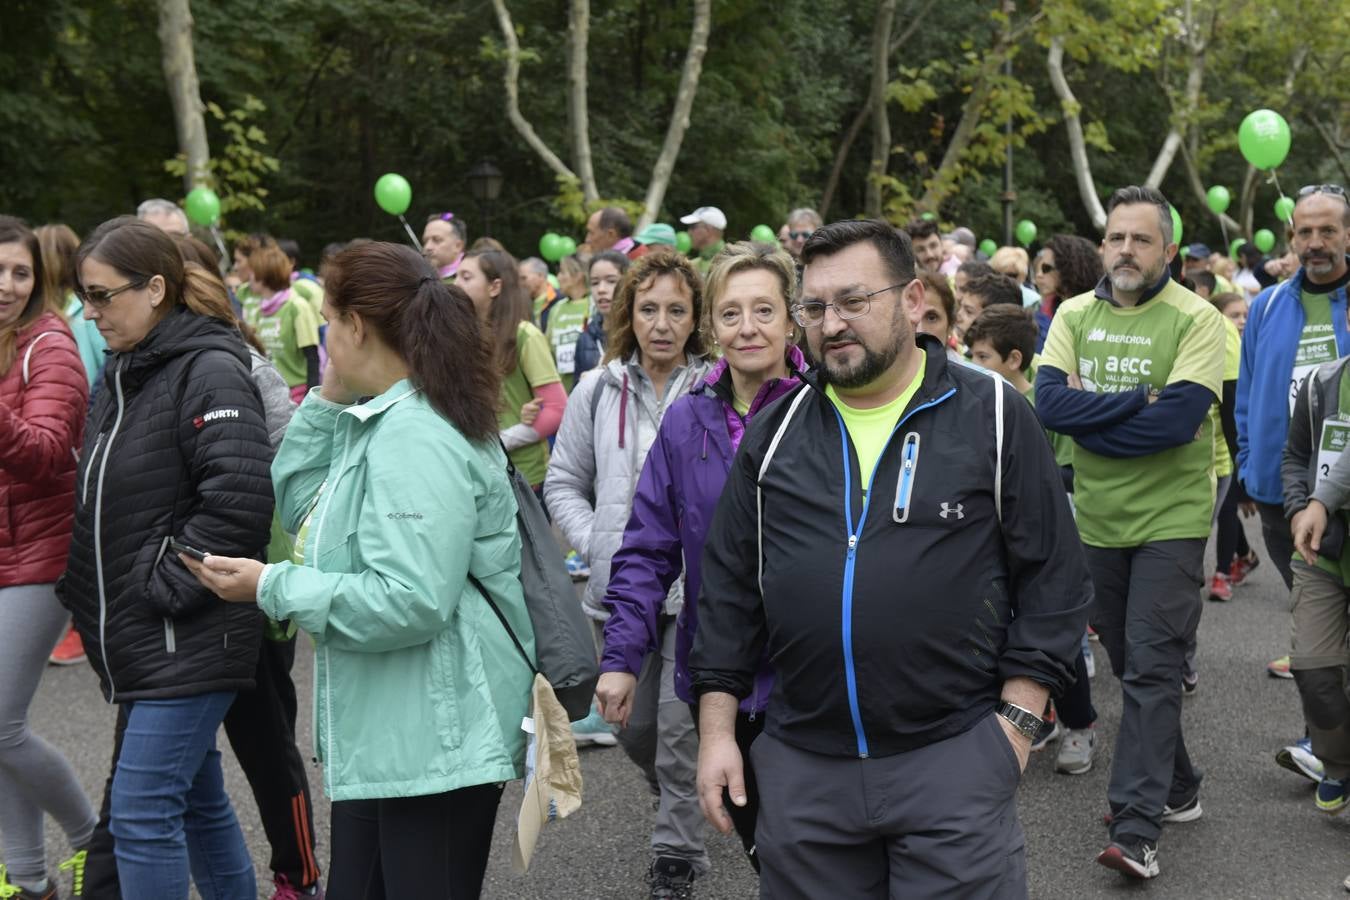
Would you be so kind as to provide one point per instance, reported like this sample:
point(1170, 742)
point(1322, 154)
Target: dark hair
point(454, 221)
point(613, 257)
point(975, 268)
point(938, 285)
point(250, 243)
point(58, 244)
point(921, 229)
point(194, 249)
point(16, 231)
point(616, 218)
point(1226, 299)
point(621, 340)
point(1132, 194)
point(894, 246)
point(291, 249)
point(1006, 328)
point(430, 324)
point(1077, 263)
point(140, 251)
point(1204, 279)
point(511, 307)
point(994, 288)
point(1250, 253)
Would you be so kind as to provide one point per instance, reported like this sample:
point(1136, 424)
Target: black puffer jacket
point(176, 446)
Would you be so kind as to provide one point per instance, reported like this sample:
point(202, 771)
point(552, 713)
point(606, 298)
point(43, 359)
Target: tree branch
point(1332, 146)
point(512, 81)
point(1195, 75)
point(180, 74)
point(578, 110)
point(305, 98)
point(1082, 168)
point(679, 116)
point(881, 123)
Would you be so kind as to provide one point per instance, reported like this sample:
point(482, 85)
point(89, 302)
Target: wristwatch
point(1024, 720)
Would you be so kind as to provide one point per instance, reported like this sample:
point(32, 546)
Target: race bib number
point(1312, 352)
point(567, 358)
point(1335, 437)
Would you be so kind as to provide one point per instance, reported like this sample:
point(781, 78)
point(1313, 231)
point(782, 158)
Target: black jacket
point(176, 446)
point(907, 638)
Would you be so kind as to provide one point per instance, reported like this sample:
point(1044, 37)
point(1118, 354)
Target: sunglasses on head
point(1333, 189)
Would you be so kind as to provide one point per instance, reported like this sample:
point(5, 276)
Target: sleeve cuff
point(262, 584)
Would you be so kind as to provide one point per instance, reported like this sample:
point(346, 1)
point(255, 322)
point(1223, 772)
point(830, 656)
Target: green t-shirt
point(534, 368)
point(1232, 362)
point(870, 429)
point(248, 304)
point(1174, 336)
point(312, 292)
point(566, 321)
point(1062, 444)
point(1317, 343)
point(286, 333)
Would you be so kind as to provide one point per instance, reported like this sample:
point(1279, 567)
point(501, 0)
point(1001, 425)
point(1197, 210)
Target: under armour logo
point(959, 511)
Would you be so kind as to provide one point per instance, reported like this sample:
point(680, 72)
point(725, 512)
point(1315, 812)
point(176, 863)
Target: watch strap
point(1024, 720)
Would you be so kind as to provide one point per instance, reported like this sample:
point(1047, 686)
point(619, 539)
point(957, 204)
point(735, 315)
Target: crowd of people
point(851, 510)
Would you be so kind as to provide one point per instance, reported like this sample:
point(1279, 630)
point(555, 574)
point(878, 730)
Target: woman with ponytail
point(175, 453)
point(403, 518)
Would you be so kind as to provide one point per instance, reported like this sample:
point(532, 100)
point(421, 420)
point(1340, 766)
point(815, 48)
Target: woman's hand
point(332, 388)
point(235, 580)
point(530, 411)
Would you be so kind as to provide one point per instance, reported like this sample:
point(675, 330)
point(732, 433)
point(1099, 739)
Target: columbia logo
point(1097, 334)
point(213, 415)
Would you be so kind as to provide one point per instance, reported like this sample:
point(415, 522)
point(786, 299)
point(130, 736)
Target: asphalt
point(1260, 836)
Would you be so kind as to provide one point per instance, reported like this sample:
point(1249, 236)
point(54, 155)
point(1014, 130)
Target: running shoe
point(1332, 795)
point(14, 892)
point(70, 651)
point(1242, 567)
point(593, 730)
point(1135, 858)
point(1299, 759)
point(1090, 662)
point(671, 878)
point(287, 891)
point(576, 567)
point(1092, 634)
point(1075, 751)
point(1220, 588)
point(1183, 812)
point(1279, 668)
point(1190, 683)
point(75, 866)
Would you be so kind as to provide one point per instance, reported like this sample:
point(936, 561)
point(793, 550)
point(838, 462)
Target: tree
point(881, 123)
point(180, 74)
point(578, 111)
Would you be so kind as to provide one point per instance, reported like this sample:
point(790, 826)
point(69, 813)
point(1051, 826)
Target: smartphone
point(178, 546)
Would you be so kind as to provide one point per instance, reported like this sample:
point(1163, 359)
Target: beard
point(1318, 264)
point(853, 375)
point(1138, 279)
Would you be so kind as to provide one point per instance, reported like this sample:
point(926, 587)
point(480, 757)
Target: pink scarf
point(273, 303)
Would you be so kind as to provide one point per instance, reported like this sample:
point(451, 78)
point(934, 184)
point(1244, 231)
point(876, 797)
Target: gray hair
point(1128, 196)
point(158, 206)
point(806, 214)
point(535, 265)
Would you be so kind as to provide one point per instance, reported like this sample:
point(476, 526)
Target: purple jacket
point(676, 496)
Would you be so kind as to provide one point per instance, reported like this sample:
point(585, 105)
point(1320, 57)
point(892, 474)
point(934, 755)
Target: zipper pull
point(852, 544)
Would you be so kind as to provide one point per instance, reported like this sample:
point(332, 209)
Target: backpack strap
point(28, 354)
point(492, 604)
point(759, 482)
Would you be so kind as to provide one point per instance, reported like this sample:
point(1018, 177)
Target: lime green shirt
point(286, 333)
point(870, 429)
point(1174, 336)
point(566, 320)
point(248, 304)
point(1062, 444)
point(311, 292)
point(534, 368)
point(1232, 362)
point(1317, 343)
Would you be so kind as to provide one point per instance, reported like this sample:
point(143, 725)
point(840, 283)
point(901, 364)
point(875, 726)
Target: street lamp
point(485, 182)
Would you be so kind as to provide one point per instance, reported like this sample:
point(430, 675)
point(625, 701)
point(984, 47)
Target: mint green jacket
point(417, 687)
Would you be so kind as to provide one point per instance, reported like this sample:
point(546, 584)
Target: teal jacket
point(417, 687)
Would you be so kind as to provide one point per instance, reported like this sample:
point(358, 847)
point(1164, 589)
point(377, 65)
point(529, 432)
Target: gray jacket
point(598, 456)
point(276, 396)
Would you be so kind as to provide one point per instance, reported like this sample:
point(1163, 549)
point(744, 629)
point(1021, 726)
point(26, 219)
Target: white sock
point(36, 887)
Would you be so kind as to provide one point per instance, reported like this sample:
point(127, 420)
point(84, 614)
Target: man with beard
point(1129, 371)
point(895, 539)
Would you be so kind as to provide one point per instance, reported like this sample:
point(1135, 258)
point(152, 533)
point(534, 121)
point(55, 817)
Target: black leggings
point(434, 846)
point(1230, 540)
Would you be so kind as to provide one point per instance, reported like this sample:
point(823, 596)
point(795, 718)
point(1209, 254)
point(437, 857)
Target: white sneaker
point(1075, 751)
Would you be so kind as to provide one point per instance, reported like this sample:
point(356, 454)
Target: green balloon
point(202, 206)
point(1218, 199)
point(1233, 247)
point(988, 247)
point(1263, 138)
point(763, 234)
point(1284, 209)
point(393, 194)
point(1176, 225)
point(1026, 232)
point(566, 247)
point(550, 247)
point(1264, 240)
point(682, 241)
point(928, 217)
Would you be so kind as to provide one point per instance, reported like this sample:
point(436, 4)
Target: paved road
point(1260, 836)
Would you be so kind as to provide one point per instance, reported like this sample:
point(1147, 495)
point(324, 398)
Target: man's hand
point(235, 580)
point(615, 693)
point(1309, 524)
point(1021, 744)
point(719, 759)
point(1074, 381)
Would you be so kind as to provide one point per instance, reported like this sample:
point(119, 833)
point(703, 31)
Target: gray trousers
point(1319, 661)
point(939, 821)
point(34, 777)
point(1146, 611)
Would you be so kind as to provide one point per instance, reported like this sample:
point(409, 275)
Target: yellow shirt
point(869, 429)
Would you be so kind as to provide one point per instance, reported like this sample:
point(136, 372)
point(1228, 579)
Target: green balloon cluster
point(202, 207)
point(1026, 232)
point(1284, 209)
point(1264, 240)
point(683, 242)
point(763, 234)
point(1263, 138)
point(554, 247)
point(393, 194)
point(988, 247)
point(1218, 199)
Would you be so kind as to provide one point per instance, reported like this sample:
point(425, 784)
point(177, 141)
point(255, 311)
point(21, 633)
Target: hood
point(180, 333)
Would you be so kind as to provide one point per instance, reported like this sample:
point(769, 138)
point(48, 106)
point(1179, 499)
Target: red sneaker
point(1220, 587)
point(1242, 567)
point(70, 651)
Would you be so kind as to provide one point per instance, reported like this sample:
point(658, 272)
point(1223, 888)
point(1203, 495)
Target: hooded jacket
point(677, 493)
point(42, 409)
point(176, 447)
point(611, 422)
point(892, 613)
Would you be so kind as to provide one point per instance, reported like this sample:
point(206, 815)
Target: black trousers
point(433, 847)
point(261, 729)
point(744, 817)
point(1279, 540)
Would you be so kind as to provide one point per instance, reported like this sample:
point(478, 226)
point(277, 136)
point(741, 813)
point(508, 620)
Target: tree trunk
point(1230, 226)
point(881, 123)
point(180, 74)
point(1082, 170)
point(512, 81)
point(578, 111)
point(679, 116)
point(1195, 42)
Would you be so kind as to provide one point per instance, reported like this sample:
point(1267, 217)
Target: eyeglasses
point(1309, 189)
point(1047, 268)
point(800, 235)
point(99, 298)
point(809, 315)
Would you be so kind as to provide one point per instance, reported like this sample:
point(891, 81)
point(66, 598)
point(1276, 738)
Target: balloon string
point(1224, 227)
point(411, 235)
point(1275, 180)
point(215, 233)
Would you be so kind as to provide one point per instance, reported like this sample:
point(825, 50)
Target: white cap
point(708, 215)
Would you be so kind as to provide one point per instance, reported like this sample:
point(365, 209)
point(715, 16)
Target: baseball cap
point(708, 215)
point(656, 233)
point(1198, 251)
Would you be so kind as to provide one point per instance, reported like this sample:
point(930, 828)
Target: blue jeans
point(169, 806)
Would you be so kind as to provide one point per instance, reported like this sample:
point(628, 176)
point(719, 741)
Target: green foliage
point(239, 163)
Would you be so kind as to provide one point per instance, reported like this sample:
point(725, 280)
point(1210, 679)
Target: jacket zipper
point(905, 487)
point(170, 638)
point(851, 558)
point(93, 457)
point(98, 536)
